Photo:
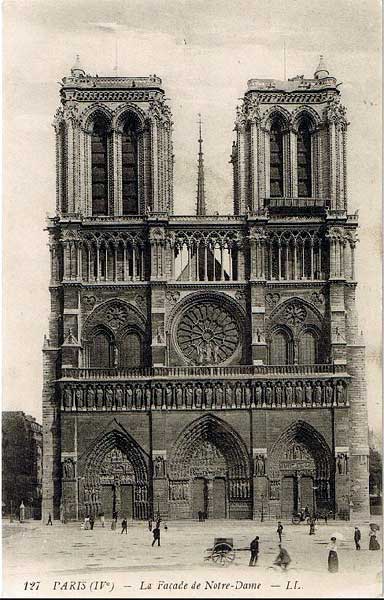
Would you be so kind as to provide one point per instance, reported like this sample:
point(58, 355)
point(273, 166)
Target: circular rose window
point(207, 334)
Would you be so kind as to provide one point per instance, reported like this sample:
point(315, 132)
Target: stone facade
point(202, 363)
point(22, 464)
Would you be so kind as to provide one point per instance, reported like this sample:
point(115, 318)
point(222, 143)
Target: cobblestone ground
point(69, 562)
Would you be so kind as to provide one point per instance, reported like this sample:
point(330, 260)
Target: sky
point(205, 51)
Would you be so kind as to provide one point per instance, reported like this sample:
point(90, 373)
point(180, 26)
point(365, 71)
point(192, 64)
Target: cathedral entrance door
point(126, 498)
point(306, 492)
point(289, 495)
point(108, 500)
point(219, 498)
point(199, 496)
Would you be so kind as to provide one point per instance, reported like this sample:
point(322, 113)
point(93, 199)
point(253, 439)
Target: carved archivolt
point(115, 315)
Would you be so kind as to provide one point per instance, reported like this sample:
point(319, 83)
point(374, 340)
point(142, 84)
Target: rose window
point(116, 316)
point(295, 314)
point(207, 334)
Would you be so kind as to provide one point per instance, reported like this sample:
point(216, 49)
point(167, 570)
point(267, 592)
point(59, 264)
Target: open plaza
point(66, 561)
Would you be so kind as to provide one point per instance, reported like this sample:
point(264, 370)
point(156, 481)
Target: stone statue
point(148, 396)
point(219, 395)
point(139, 396)
point(90, 397)
point(340, 462)
point(67, 398)
point(238, 395)
point(260, 465)
point(99, 397)
point(318, 393)
point(268, 395)
point(168, 395)
point(115, 357)
point(119, 397)
point(299, 394)
point(198, 396)
point(159, 467)
point(248, 396)
point(339, 393)
point(68, 469)
point(258, 394)
point(208, 395)
point(308, 393)
point(179, 396)
point(278, 394)
point(109, 397)
point(159, 396)
point(79, 398)
point(228, 395)
point(129, 397)
point(189, 396)
point(328, 393)
point(288, 393)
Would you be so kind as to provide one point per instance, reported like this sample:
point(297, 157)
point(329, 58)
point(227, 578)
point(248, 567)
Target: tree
point(375, 472)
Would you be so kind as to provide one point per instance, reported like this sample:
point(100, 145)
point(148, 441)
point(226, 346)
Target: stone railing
point(203, 394)
point(294, 202)
point(98, 374)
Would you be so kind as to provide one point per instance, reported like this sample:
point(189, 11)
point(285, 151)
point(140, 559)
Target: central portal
point(209, 473)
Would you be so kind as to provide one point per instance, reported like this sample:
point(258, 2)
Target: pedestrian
point(333, 561)
point(279, 530)
point(326, 517)
point(158, 522)
point(102, 519)
point(311, 526)
point(306, 512)
point(254, 548)
point(124, 526)
point(113, 524)
point(200, 515)
point(87, 523)
point(91, 522)
point(283, 559)
point(49, 522)
point(150, 524)
point(357, 538)
point(156, 535)
point(373, 543)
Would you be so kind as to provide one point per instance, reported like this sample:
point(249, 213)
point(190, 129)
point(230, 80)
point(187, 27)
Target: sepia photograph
point(192, 299)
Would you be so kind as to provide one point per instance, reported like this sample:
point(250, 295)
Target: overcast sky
point(205, 51)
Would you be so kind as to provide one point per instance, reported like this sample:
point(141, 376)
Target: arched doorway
point(115, 479)
point(300, 471)
point(209, 472)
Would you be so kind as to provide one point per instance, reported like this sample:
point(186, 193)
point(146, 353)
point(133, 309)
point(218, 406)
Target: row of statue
point(207, 396)
point(239, 490)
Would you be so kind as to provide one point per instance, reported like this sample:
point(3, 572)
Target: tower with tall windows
point(202, 363)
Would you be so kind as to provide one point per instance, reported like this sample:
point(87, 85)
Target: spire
point(200, 203)
point(77, 70)
point(321, 70)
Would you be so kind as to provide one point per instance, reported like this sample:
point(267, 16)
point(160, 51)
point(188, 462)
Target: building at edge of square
point(203, 363)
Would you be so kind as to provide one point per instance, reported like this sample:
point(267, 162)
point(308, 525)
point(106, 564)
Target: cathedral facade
point(203, 363)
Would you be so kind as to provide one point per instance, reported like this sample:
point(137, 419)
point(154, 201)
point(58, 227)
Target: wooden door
point(306, 492)
point(289, 499)
point(199, 496)
point(126, 498)
point(107, 497)
point(219, 498)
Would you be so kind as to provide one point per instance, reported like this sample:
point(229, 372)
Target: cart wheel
point(223, 555)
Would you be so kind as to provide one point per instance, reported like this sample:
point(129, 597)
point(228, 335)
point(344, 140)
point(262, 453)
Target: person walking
point(150, 524)
point(113, 524)
point(124, 526)
point(87, 523)
point(311, 526)
point(91, 522)
point(254, 548)
point(283, 559)
point(102, 519)
point(333, 560)
point(49, 522)
point(279, 530)
point(357, 538)
point(156, 535)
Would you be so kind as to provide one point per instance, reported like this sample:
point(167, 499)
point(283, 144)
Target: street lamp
point(262, 508)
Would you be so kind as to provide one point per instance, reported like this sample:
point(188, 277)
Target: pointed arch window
point(129, 159)
point(308, 349)
point(304, 160)
point(280, 349)
point(99, 160)
point(101, 350)
point(276, 160)
point(130, 351)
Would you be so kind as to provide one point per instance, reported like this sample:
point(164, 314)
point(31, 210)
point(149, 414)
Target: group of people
point(89, 522)
point(283, 559)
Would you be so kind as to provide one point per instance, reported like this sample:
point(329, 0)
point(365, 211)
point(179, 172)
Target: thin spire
point(200, 203)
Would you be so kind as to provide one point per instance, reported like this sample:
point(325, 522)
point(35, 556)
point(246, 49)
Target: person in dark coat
point(254, 548)
point(91, 521)
point(312, 526)
point(279, 530)
point(357, 538)
point(283, 559)
point(124, 526)
point(156, 535)
point(333, 560)
point(150, 524)
point(373, 543)
point(49, 519)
